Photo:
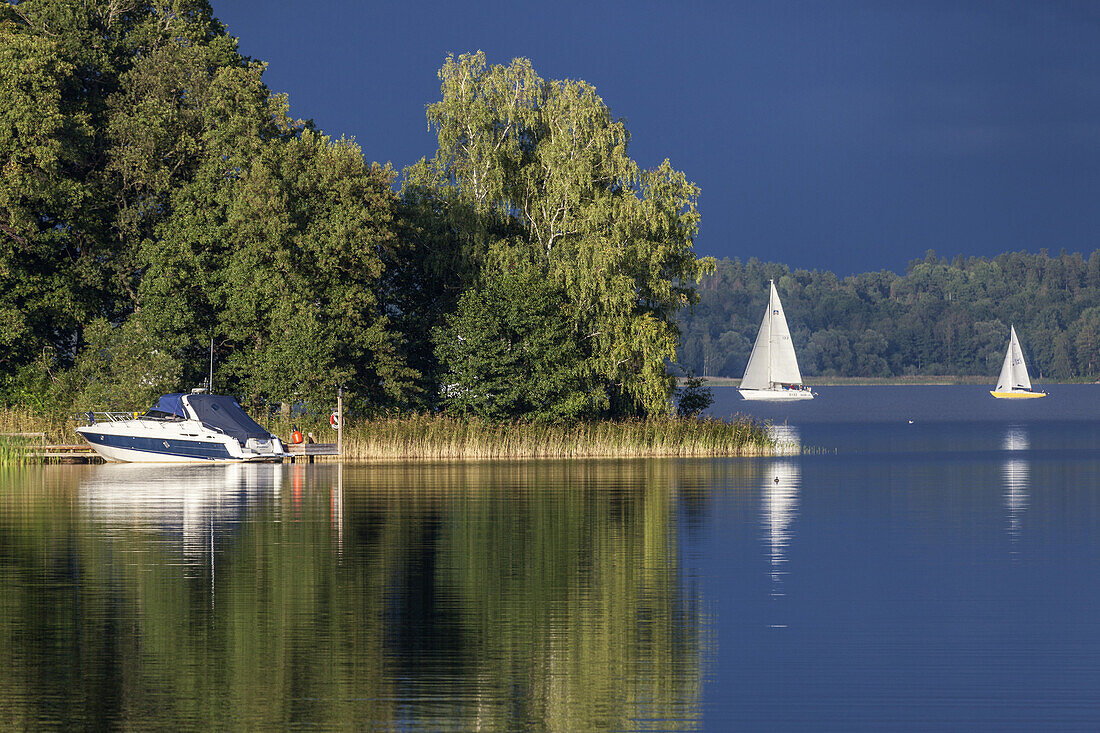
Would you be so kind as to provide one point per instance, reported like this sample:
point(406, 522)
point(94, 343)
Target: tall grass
point(57, 428)
point(20, 428)
point(12, 451)
point(438, 437)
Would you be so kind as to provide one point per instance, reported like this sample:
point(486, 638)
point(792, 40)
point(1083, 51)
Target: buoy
point(296, 437)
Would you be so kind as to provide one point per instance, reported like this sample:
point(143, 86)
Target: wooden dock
point(41, 452)
point(300, 451)
point(63, 453)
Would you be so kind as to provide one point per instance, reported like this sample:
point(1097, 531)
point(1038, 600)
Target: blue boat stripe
point(179, 448)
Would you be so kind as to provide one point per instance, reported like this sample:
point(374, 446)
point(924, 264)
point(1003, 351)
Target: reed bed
point(19, 422)
point(437, 437)
point(20, 429)
point(12, 451)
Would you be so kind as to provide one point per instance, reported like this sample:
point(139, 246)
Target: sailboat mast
point(771, 330)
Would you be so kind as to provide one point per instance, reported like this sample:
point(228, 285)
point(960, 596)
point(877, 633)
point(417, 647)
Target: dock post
point(340, 420)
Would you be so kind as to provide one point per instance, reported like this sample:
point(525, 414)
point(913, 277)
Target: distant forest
point(940, 318)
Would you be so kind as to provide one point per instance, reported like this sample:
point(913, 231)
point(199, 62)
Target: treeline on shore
point(157, 196)
point(939, 318)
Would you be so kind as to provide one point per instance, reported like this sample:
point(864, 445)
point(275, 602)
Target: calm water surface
point(934, 574)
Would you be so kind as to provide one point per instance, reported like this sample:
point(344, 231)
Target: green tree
point(148, 171)
point(122, 368)
point(1087, 329)
point(510, 351)
point(542, 166)
point(43, 136)
point(66, 205)
point(694, 396)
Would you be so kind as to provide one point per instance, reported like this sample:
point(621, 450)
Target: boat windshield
point(168, 406)
point(223, 413)
point(162, 415)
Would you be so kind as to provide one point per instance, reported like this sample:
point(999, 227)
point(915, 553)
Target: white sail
point(772, 360)
point(758, 370)
point(1014, 371)
point(784, 368)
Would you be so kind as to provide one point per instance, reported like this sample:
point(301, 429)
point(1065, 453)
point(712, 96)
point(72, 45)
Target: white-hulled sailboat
point(1014, 383)
point(772, 372)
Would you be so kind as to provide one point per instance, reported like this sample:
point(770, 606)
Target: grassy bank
point(436, 437)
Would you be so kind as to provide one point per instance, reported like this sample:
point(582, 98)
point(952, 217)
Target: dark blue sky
point(849, 135)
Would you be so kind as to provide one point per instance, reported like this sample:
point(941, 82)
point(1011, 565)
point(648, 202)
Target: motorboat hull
point(1017, 395)
point(135, 449)
point(776, 395)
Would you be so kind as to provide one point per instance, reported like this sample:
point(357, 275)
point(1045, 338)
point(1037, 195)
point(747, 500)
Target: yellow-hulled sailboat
point(1014, 383)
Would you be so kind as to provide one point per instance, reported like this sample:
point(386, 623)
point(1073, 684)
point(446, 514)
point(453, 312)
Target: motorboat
point(182, 428)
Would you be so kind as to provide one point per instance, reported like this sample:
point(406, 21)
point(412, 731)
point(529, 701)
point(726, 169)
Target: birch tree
point(548, 161)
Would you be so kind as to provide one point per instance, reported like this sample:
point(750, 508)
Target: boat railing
point(92, 417)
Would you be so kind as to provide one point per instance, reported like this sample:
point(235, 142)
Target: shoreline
point(428, 437)
point(917, 381)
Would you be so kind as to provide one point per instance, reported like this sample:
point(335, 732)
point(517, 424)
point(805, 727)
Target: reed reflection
point(1016, 478)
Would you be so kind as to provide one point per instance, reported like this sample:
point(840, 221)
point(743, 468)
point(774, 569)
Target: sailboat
point(1014, 382)
point(772, 372)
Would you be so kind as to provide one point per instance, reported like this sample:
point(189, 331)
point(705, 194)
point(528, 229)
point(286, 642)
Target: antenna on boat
point(210, 382)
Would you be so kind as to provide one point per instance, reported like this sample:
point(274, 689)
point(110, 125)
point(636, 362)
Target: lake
point(929, 562)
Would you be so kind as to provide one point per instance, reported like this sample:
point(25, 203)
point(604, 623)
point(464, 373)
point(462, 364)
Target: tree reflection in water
point(537, 594)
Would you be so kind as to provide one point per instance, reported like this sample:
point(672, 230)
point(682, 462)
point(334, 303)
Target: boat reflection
point(787, 439)
point(781, 479)
point(182, 500)
point(1016, 478)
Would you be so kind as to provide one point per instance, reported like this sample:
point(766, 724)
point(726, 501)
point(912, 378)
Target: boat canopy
point(169, 405)
point(225, 414)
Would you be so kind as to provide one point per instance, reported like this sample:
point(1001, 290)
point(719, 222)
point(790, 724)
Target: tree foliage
point(149, 173)
point(535, 174)
point(510, 349)
point(156, 195)
point(122, 366)
point(693, 397)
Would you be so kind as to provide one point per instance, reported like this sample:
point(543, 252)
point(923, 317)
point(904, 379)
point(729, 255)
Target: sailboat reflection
point(186, 499)
point(1016, 476)
point(780, 502)
point(787, 439)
